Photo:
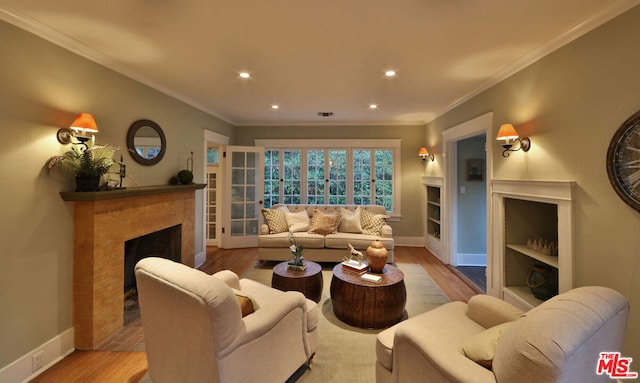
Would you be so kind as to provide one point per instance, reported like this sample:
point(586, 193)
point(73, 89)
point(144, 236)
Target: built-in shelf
point(546, 259)
point(433, 225)
point(530, 210)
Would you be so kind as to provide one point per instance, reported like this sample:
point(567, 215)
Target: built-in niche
point(524, 212)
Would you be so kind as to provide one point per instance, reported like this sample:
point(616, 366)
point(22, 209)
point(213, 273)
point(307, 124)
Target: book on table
point(371, 278)
point(355, 266)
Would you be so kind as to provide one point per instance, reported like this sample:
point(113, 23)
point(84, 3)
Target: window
point(335, 172)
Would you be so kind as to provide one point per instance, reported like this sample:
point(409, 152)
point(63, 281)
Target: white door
point(243, 194)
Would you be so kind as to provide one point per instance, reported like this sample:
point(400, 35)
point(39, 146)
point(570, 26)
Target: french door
point(243, 194)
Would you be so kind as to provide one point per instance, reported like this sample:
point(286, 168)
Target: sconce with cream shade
point(424, 154)
point(83, 124)
point(509, 135)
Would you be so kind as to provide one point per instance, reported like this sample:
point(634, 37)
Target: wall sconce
point(508, 134)
point(83, 124)
point(424, 153)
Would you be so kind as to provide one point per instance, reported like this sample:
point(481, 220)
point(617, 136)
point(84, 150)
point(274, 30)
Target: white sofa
point(194, 330)
point(319, 247)
point(558, 341)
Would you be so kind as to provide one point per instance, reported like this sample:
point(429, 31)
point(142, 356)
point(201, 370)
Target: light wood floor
point(129, 367)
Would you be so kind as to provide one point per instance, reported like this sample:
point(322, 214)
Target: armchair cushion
point(489, 311)
point(482, 347)
point(247, 305)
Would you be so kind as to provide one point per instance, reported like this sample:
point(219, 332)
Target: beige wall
point(570, 104)
point(412, 137)
point(42, 88)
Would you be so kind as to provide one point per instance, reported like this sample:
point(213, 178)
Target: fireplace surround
point(103, 222)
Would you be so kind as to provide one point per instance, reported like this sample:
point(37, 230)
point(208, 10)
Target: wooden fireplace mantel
point(102, 222)
point(128, 192)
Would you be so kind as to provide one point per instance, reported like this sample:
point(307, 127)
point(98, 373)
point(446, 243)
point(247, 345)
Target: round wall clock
point(623, 161)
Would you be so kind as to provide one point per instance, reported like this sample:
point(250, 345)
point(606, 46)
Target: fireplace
point(103, 223)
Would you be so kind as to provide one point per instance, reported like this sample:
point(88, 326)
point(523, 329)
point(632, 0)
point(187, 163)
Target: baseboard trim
point(53, 351)
point(408, 241)
point(471, 259)
point(199, 259)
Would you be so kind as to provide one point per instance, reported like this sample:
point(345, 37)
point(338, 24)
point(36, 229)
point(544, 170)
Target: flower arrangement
point(297, 262)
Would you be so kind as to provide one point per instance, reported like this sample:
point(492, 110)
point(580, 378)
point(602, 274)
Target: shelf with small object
point(433, 224)
point(534, 240)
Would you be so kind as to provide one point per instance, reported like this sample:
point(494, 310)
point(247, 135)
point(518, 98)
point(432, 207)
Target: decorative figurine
point(352, 252)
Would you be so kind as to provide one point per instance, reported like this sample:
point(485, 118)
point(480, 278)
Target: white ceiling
point(314, 56)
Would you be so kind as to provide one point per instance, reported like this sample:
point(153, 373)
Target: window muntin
point(358, 171)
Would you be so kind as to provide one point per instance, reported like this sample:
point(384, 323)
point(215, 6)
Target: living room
point(569, 103)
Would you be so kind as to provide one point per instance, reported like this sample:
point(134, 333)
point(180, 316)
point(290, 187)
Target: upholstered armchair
point(194, 329)
point(488, 340)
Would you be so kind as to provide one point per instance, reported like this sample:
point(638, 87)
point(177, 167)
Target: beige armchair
point(558, 341)
point(194, 330)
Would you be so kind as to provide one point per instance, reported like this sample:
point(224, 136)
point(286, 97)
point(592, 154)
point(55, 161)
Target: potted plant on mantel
point(88, 164)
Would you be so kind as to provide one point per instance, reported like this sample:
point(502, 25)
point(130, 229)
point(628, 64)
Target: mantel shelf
point(128, 192)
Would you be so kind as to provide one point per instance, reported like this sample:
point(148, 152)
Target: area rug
point(346, 353)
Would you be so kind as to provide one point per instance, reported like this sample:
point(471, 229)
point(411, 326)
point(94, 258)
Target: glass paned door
point(212, 208)
point(244, 186)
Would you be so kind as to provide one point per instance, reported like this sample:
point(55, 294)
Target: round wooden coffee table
point(366, 304)
point(308, 281)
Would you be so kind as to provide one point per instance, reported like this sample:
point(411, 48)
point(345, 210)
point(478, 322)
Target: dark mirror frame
point(133, 129)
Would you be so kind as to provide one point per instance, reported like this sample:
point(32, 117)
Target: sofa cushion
point(276, 220)
point(482, 347)
point(304, 239)
point(297, 221)
point(322, 223)
point(372, 223)
point(350, 221)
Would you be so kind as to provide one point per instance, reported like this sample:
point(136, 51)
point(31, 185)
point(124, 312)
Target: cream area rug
point(346, 353)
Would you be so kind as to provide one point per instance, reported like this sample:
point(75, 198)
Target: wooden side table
point(366, 304)
point(308, 281)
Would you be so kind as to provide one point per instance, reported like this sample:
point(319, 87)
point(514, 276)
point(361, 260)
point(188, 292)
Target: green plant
point(93, 161)
point(298, 259)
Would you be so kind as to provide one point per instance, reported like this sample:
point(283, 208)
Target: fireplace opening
point(164, 243)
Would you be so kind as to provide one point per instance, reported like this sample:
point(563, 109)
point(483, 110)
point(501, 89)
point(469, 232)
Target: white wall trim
point(52, 351)
point(200, 258)
point(467, 259)
point(408, 241)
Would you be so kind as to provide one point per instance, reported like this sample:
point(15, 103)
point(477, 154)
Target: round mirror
point(146, 142)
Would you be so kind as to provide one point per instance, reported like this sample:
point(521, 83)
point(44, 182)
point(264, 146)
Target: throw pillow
point(350, 221)
point(247, 305)
point(482, 347)
point(324, 224)
point(372, 223)
point(276, 219)
point(297, 221)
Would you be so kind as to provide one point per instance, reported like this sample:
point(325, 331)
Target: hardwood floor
point(129, 367)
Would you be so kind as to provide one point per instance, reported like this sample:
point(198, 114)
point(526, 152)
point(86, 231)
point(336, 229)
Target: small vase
point(376, 256)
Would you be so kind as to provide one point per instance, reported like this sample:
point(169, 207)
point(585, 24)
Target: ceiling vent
point(325, 114)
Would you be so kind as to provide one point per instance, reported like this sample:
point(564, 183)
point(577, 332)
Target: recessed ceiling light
point(390, 73)
point(373, 106)
point(275, 106)
point(244, 75)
